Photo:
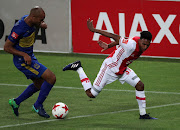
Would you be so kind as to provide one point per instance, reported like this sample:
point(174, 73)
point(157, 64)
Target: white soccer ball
point(60, 110)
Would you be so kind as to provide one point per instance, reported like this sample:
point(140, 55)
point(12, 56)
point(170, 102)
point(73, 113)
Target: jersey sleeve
point(15, 34)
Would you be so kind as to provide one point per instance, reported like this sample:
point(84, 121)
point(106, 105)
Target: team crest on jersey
point(36, 66)
point(14, 35)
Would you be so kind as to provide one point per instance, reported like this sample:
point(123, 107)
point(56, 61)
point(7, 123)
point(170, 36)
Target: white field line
point(63, 87)
point(84, 116)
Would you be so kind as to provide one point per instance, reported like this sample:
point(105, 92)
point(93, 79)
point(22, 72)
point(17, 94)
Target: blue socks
point(45, 89)
point(29, 91)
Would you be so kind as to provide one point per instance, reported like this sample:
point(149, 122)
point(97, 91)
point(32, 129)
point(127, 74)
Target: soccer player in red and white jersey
point(115, 66)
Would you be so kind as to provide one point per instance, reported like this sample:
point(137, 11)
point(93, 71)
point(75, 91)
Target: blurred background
point(67, 31)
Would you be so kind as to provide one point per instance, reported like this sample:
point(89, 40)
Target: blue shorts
point(35, 70)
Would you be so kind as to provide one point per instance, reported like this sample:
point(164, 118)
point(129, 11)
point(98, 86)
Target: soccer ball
point(60, 110)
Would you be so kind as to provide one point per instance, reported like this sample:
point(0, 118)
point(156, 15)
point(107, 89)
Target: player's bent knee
point(89, 94)
point(49, 77)
point(140, 86)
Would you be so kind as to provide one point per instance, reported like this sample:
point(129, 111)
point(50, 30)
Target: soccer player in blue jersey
point(20, 44)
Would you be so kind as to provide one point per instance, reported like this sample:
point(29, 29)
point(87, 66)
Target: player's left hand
point(43, 25)
point(103, 45)
point(90, 25)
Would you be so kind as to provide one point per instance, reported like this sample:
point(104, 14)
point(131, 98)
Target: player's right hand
point(27, 59)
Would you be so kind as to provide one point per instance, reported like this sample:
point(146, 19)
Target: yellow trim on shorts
point(30, 69)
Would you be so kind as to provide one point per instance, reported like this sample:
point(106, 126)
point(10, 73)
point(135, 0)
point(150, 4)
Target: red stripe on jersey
point(111, 55)
point(139, 98)
point(85, 79)
point(135, 55)
point(101, 76)
point(118, 57)
point(120, 54)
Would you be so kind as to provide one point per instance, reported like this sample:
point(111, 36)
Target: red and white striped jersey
point(125, 54)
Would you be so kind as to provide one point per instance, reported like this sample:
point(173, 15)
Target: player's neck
point(28, 21)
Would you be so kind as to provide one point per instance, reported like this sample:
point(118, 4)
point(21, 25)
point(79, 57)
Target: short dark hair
point(36, 11)
point(146, 35)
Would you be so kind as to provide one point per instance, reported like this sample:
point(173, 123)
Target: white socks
point(141, 99)
point(84, 79)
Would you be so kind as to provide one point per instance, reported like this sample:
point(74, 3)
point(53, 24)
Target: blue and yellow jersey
point(23, 36)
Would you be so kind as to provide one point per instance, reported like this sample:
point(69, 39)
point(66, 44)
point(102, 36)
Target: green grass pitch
point(114, 108)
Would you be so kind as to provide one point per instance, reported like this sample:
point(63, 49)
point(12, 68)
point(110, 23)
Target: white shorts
point(106, 76)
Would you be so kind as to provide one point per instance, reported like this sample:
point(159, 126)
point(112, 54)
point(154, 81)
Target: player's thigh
point(129, 77)
point(49, 76)
point(103, 78)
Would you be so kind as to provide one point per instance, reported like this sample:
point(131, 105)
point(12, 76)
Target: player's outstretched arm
point(105, 46)
point(104, 33)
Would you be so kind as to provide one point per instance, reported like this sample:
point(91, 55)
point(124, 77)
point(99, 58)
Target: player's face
point(39, 19)
point(144, 44)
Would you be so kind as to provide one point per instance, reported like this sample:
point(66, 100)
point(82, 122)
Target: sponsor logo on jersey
point(14, 35)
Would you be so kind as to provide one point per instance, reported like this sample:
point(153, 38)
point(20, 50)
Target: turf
point(114, 108)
